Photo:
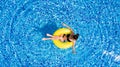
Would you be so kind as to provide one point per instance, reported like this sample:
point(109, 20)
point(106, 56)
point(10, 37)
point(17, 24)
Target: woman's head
point(75, 36)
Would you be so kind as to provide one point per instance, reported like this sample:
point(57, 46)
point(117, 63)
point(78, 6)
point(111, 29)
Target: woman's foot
point(49, 35)
point(44, 38)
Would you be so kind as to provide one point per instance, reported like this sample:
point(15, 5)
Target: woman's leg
point(53, 38)
point(46, 38)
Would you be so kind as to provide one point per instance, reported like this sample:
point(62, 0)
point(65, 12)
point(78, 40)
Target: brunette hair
point(76, 36)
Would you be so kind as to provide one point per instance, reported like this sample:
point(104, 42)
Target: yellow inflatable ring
point(58, 43)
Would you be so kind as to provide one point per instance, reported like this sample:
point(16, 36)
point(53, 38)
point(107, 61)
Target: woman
point(65, 37)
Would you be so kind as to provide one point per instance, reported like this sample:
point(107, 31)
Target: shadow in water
point(48, 28)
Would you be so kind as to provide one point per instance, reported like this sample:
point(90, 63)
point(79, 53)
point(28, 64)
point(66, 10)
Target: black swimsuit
point(68, 36)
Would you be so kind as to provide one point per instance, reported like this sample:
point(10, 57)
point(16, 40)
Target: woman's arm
point(67, 26)
point(73, 48)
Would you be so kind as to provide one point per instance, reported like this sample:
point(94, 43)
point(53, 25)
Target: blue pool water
point(24, 22)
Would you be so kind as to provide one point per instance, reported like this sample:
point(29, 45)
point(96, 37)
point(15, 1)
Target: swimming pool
point(24, 22)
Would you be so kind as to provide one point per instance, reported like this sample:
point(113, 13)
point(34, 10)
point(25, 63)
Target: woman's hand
point(73, 52)
point(64, 24)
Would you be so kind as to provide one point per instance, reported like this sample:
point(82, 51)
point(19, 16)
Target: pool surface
point(23, 23)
